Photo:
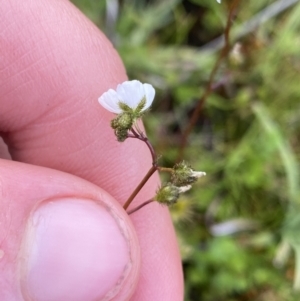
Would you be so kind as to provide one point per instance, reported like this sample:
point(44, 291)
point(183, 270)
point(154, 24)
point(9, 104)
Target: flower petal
point(110, 100)
point(149, 93)
point(198, 174)
point(183, 189)
point(131, 93)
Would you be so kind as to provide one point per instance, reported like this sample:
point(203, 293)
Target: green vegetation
point(237, 226)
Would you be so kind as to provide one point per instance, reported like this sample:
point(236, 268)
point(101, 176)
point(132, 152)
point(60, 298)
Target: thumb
point(62, 238)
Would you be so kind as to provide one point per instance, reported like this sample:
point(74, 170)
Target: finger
point(56, 66)
point(4, 154)
point(62, 238)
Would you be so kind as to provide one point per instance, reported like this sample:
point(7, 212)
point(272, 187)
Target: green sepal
point(124, 107)
point(140, 106)
point(167, 194)
point(182, 174)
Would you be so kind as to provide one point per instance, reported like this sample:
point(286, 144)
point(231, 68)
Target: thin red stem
point(166, 169)
point(223, 54)
point(146, 140)
point(151, 171)
point(139, 207)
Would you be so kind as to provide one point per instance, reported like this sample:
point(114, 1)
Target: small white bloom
point(131, 93)
point(198, 174)
point(219, 1)
point(183, 189)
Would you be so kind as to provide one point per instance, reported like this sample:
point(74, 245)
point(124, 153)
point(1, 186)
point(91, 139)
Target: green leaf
point(286, 153)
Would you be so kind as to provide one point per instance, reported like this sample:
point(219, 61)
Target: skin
point(54, 65)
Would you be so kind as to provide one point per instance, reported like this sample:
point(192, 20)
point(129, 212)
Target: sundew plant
point(226, 75)
point(130, 101)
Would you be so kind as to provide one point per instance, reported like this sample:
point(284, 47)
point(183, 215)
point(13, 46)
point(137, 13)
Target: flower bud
point(121, 124)
point(167, 194)
point(183, 174)
point(121, 134)
point(122, 121)
point(126, 121)
point(114, 123)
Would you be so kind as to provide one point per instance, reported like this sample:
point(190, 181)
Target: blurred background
point(239, 227)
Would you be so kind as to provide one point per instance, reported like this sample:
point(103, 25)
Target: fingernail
point(74, 249)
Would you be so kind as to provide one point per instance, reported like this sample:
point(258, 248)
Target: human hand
point(61, 236)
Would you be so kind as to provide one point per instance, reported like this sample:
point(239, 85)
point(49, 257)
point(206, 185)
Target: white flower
point(219, 1)
point(198, 174)
point(183, 189)
point(130, 93)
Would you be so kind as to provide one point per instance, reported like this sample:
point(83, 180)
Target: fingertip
point(75, 249)
point(72, 240)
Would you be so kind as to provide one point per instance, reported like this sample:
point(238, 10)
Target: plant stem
point(223, 54)
point(166, 169)
point(146, 140)
point(139, 207)
point(151, 171)
point(252, 24)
